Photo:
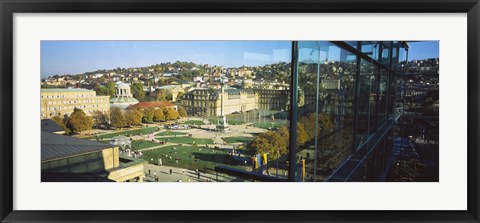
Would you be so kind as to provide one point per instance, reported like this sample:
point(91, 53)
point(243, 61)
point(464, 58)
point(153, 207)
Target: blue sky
point(73, 57)
point(423, 50)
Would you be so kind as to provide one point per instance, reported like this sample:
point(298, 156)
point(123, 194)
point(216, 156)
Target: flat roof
point(65, 90)
point(49, 125)
point(56, 146)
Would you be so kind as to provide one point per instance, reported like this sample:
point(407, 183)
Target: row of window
point(67, 96)
point(75, 101)
point(67, 113)
point(72, 107)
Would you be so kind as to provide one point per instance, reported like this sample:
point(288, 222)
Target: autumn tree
point(302, 136)
point(182, 112)
point(61, 121)
point(100, 118)
point(170, 114)
point(79, 121)
point(117, 119)
point(275, 143)
point(158, 115)
point(325, 122)
point(313, 124)
point(309, 123)
point(133, 117)
point(148, 115)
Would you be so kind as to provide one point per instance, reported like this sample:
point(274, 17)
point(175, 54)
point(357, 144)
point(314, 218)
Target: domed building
point(123, 97)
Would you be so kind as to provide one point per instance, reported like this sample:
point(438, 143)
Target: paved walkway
point(181, 175)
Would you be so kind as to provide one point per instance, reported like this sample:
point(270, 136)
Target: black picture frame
point(9, 7)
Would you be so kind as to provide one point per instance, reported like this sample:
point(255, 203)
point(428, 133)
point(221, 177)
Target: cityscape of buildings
point(365, 113)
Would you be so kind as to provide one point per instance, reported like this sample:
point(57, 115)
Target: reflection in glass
point(326, 91)
point(366, 101)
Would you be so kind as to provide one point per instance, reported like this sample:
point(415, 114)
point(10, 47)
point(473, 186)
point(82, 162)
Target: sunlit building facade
point(207, 102)
point(62, 101)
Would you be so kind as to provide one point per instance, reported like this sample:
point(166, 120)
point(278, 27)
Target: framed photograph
point(239, 111)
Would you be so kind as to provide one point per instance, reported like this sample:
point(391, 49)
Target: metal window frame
point(293, 111)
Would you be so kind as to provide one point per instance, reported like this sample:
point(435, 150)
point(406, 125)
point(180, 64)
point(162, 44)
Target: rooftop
point(49, 125)
point(46, 90)
point(120, 100)
point(56, 146)
point(170, 87)
point(122, 85)
point(146, 104)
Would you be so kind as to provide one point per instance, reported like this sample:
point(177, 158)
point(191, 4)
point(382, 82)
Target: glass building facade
point(347, 98)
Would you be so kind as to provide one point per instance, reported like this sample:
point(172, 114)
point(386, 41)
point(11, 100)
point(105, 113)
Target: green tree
point(148, 115)
point(182, 112)
point(111, 89)
point(101, 90)
point(158, 115)
point(117, 119)
point(170, 114)
point(163, 95)
point(79, 121)
point(133, 117)
point(137, 91)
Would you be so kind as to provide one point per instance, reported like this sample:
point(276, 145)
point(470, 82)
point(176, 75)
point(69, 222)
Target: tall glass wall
point(344, 89)
point(327, 76)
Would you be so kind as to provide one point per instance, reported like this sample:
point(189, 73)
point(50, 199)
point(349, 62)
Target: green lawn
point(187, 140)
point(190, 157)
point(170, 133)
point(193, 122)
point(126, 133)
point(235, 122)
point(267, 125)
point(137, 144)
point(238, 139)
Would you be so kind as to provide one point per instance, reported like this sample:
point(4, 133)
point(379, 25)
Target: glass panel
point(385, 53)
point(371, 49)
point(382, 96)
point(354, 44)
point(366, 101)
point(326, 89)
point(395, 53)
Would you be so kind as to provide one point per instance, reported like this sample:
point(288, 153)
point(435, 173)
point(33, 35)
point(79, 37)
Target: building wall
point(204, 103)
point(131, 173)
point(271, 99)
point(111, 158)
point(63, 101)
point(97, 162)
point(85, 163)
